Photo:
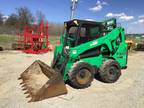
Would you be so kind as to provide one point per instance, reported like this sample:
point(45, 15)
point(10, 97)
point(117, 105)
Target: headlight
point(74, 51)
point(66, 50)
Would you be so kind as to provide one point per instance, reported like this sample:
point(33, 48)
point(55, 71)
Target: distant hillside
point(135, 35)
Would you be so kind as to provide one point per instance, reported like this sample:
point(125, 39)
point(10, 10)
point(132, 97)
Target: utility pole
point(73, 8)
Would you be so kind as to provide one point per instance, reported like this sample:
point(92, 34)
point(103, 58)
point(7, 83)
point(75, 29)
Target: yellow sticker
point(75, 21)
point(65, 25)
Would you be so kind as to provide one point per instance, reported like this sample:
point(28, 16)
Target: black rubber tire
point(1, 48)
point(110, 71)
point(81, 75)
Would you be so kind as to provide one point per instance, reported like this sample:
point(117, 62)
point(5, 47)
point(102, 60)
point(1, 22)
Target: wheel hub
point(83, 76)
point(112, 72)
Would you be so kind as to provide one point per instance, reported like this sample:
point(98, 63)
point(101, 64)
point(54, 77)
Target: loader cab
point(81, 31)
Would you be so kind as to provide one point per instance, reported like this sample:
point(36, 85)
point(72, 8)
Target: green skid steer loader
point(86, 49)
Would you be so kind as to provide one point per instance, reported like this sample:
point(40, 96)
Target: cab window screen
point(72, 30)
point(94, 31)
point(83, 32)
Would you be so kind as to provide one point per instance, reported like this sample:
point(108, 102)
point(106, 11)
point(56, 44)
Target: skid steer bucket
point(40, 82)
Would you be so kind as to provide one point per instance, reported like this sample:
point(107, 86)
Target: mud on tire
point(81, 75)
point(110, 71)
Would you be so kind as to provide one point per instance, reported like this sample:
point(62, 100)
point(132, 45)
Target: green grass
point(7, 38)
point(6, 41)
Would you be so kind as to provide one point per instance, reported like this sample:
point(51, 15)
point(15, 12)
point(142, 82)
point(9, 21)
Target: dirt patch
point(127, 92)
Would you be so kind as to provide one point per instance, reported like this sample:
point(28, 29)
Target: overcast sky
point(130, 13)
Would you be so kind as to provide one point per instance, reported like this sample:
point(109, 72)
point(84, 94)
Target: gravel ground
point(127, 92)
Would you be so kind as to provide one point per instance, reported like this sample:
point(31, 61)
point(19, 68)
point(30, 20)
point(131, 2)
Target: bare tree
point(25, 16)
point(1, 18)
point(12, 20)
point(55, 28)
point(40, 16)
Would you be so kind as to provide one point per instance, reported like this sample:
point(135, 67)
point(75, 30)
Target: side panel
point(67, 69)
point(94, 61)
point(58, 49)
point(121, 55)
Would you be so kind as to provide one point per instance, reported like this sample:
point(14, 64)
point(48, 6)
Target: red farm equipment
point(34, 39)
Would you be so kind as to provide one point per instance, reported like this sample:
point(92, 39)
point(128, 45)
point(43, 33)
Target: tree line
point(24, 17)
